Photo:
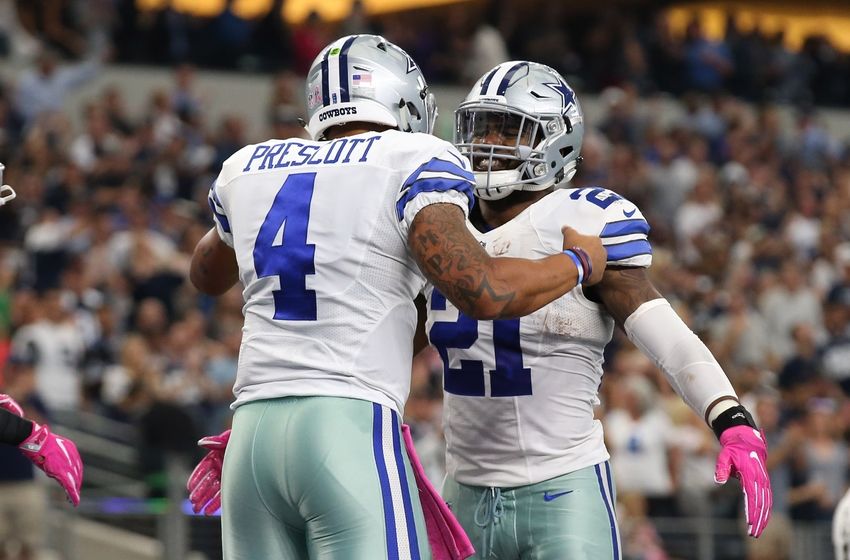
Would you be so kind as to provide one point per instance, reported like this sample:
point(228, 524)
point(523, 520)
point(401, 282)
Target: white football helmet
point(521, 126)
point(365, 78)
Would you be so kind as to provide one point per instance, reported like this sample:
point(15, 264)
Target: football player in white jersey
point(527, 468)
point(330, 238)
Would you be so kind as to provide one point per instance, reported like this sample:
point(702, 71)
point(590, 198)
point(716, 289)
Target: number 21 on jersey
point(508, 379)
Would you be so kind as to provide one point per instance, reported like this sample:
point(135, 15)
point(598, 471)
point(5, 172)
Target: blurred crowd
point(749, 228)
point(593, 48)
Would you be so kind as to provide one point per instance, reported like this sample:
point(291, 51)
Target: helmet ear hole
point(411, 108)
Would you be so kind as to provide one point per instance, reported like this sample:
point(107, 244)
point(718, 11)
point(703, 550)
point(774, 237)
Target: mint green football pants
point(319, 478)
point(570, 517)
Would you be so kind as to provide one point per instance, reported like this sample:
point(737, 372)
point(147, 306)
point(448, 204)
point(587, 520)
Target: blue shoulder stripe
point(458, 158)
point(435, 184)
point(215, 198)
point(437, 165)
point(221, 218)
point(625, 227)
point(627, 250)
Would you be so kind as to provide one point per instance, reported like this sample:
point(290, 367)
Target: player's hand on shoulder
point(591, 246)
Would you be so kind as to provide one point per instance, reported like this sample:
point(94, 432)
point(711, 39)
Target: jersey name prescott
point(320, 235)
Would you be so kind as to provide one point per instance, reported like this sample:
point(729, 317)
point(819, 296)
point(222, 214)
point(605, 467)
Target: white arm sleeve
point(841, 528)
point(686, 362)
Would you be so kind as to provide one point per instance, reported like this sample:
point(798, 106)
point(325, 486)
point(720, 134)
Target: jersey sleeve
point(624, 235)
point(222, 223)
point(445, 177)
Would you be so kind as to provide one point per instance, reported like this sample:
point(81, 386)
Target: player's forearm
point(683, 358)
point(13, 429)
point(534, 283)
point(213, 269)
point(481, 286)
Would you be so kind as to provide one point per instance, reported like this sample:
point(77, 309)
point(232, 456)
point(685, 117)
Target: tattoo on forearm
point(448, 255)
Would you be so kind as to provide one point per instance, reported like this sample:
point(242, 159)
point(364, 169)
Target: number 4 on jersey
point(291, 259)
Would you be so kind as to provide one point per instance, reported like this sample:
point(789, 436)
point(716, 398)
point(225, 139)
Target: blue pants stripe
point(386, 495)
point(615, 541)
point(405, 492)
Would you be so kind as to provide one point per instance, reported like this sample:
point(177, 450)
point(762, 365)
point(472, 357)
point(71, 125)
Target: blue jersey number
point(292, 259)
point(592, 196)
point(508, 379)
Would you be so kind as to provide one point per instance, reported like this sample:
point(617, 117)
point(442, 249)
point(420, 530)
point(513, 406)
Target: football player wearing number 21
point(527, 469)
point(332, 239)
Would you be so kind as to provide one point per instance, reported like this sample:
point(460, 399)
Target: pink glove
point(56, 456)
point(9, 404)
point(205, 481)
point(744, 454)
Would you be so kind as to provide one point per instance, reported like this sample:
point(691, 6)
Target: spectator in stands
point(819, 468)
point(739, 334)
point(708, 63)
point(787, 303)
point(53, 348)
point(835, 353)
point(44, 88)
point(640, 437)
point(701, 211)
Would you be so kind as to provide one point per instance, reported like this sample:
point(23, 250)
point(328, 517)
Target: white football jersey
point(320, 234)
point(519, 393)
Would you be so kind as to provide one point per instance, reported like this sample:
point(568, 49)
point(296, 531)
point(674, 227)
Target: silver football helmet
point(521, 126)
point(365, 78)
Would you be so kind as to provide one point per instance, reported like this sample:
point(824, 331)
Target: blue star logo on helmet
point(568, 96)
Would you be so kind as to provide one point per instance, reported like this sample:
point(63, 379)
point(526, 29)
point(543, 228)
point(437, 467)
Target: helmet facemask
point(508, 148)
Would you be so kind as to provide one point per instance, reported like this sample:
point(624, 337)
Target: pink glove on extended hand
point(744, 455)
point(205, 481)
point(9, 404)
point(56, 456)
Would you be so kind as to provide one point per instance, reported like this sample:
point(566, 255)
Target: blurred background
point(728, 123)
